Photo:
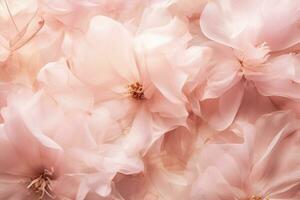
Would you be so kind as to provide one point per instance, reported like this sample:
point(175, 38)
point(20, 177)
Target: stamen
point(257, 198)
point(136, 90)
point(42, 185)
point(11, 16)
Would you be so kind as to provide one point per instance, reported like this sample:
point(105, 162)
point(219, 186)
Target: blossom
point(248, 53)
point(58, 151)
point(262, 166)
point(134, 86)
point(149, 99)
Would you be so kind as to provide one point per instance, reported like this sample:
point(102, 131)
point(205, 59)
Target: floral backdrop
point(150, 99)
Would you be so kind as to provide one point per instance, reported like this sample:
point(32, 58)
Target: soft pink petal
point(106, 49)
point(221, 112)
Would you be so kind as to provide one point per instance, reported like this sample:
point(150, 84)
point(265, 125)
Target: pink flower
point(31, 163)
point(263, 166)
point(61, 152)
point(130, 76)
point(249, 53)
point(133, 100)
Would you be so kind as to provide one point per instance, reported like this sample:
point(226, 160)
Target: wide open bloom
point(130, 76)
point(251, 50)
point(60, 154)
point(32, 164)
point(262, 166)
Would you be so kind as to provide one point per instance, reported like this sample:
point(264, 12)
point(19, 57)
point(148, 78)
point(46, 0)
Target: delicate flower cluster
point(150, 99)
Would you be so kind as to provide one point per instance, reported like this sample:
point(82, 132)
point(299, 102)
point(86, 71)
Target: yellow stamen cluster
point(257, 198)
point(42, 185)
point(136, 90)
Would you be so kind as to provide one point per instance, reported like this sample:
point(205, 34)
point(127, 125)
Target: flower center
point(136, 90)
point(42, 185)
point(257, 198)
